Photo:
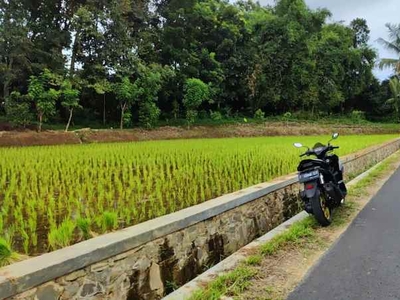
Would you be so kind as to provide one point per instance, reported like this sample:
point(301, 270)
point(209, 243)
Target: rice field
point(52, 197)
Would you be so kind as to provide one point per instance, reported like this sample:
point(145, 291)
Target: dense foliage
point(131, 62)
point(54, 196)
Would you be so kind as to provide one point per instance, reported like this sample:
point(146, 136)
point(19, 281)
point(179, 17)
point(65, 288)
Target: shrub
point(357, 115)
point(259, 115)
point(286, 117)
point(149, 114)
point(127, 118)
point(196, 92)
point(215, 115)
point(191, 116)
point(17, 109)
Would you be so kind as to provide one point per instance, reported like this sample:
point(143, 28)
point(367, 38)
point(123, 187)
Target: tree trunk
point(123, 108)
point(6, 86)
point(40, 122)
point(104, 109)
point(69, 119)
point(6, 89)
point(74, 53)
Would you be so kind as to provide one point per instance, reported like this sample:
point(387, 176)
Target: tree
point(126, 93)
point(284, 57)
point(15, 47)
point(361, 32)
point(393, 44)
point(70, 99)
point(42, 90)
point(49, 33)
point(196, 92)
point(17, 108)
point(102, 87)
point(395, 100)
point(150, 83)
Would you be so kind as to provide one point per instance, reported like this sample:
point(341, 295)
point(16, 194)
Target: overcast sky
point(376, 12)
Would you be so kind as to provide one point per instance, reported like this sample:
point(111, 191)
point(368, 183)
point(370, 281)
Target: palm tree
point(392, 44)
point(395, 89)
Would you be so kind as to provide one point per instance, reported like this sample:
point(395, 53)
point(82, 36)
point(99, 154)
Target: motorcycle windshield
point(319, 148)
point(319, 145)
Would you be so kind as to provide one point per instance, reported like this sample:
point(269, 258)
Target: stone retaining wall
point(148, 260)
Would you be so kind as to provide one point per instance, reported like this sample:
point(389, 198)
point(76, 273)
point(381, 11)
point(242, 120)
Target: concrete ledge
point(33, 272)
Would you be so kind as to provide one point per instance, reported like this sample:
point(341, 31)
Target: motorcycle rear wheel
point(321, 211)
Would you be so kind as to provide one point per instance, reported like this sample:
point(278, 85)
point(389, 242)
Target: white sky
point(376, 12)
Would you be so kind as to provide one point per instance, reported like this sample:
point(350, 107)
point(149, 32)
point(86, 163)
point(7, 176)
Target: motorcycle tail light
point(309, 186)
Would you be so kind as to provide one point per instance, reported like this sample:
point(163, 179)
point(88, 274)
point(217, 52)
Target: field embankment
point(32, 138)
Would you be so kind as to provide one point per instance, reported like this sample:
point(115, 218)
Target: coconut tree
point(393, 44)
point(395, 89)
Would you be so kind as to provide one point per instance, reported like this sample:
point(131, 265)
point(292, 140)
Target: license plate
point(308, 176)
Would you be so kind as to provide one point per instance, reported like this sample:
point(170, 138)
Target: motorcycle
point(322, 176)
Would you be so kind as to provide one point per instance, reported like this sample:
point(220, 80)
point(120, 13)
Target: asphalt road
point(365, 262)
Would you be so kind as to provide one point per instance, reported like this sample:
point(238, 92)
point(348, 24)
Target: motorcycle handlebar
point(310, 152)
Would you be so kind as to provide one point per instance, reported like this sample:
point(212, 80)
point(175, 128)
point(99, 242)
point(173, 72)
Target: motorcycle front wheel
point(321, 211)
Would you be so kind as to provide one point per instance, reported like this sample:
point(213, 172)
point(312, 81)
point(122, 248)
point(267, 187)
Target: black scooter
point(324, 188)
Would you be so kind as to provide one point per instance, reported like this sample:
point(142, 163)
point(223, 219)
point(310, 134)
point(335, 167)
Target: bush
point(215, 115)
point(17, 109)
point(196, 92)
point(357, 115)
point(259, 115)
point(149, 114)
point(127, 118)
point(286, 117)
point(191, 116)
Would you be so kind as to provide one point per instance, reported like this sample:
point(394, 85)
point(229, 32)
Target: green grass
point(254, 260)
point(230, 284)
point(297, 232)
point(119, 185)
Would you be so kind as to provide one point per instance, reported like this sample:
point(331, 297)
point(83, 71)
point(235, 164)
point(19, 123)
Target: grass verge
point(305, 235)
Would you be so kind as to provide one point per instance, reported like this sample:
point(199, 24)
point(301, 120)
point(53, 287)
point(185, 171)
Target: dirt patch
point(32, 138)
point(278, 275)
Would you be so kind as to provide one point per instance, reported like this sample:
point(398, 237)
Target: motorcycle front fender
point(311, 189)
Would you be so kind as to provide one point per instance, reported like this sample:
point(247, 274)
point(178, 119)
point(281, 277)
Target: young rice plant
point(55, 196)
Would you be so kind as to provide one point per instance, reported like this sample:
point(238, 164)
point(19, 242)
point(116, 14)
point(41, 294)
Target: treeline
point(139, 61)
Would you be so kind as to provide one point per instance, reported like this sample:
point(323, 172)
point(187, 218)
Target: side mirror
point(298, 145)
point(335, 136)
